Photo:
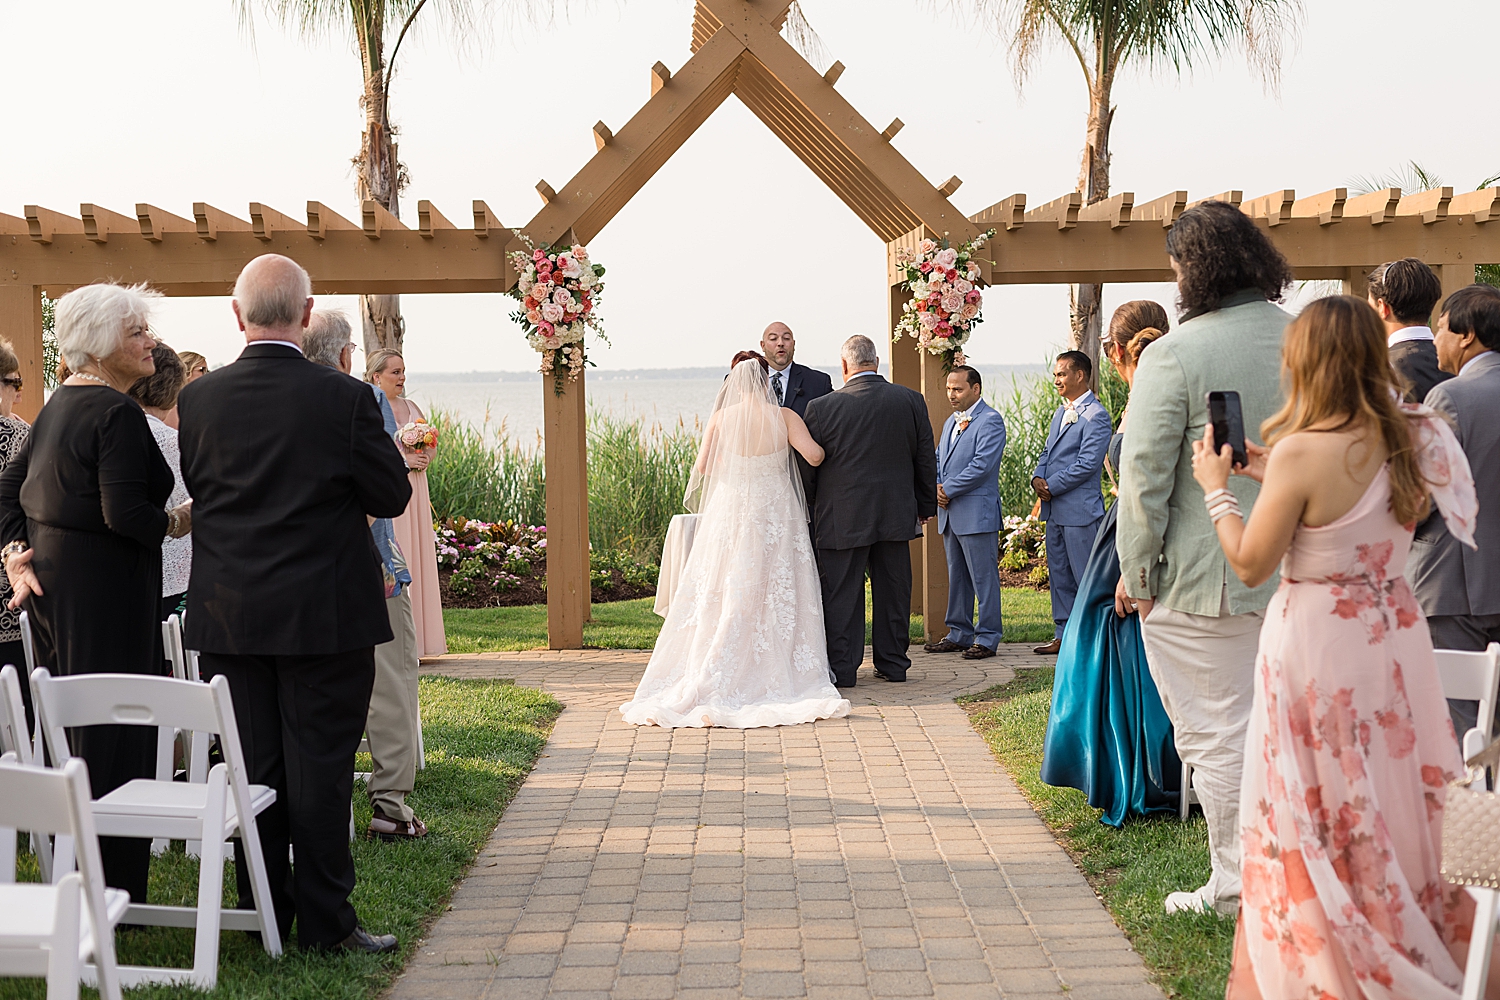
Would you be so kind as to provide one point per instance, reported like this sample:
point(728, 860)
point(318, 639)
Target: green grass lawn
point(481, 739)
point(633, 625)
point(1132, 868)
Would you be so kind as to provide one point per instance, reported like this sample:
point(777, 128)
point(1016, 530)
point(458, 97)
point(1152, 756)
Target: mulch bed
point(531, 591)
point(1018, 578)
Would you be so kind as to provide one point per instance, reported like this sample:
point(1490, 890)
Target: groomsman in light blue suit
point(968, 472)
point(1067, 481)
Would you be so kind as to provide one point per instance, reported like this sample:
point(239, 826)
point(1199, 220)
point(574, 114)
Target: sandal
point(392, 830)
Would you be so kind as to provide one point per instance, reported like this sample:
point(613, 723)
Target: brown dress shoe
point(390, 830)
point(1050, 649)
point(946, 645)
point(978, 652)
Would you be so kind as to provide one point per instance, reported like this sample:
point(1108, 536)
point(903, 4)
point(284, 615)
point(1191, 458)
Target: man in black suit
point(284, 460)
point(1404, 292)
point(877, 482)
point(794, 385)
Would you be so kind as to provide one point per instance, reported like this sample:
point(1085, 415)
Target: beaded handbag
point(1471, 825)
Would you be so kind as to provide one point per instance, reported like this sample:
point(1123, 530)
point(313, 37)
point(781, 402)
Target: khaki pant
point(394, 715)
point(1204, 669)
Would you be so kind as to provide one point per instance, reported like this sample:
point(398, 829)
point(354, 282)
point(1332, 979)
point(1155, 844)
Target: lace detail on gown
point(743, 644)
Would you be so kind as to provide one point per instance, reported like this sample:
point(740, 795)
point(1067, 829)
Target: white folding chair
point(15, 740)
point(28, 645)
point(212, 812)
point(1471, 676)
point(65, 932)
point(1187, 796)
point(1487, 901)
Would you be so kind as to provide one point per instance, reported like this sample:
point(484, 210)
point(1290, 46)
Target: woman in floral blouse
point(13, 434)
point(1349, 749)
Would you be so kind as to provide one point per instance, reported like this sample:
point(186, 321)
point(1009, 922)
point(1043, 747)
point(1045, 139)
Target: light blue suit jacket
point(969, 471)
point(1071, 462)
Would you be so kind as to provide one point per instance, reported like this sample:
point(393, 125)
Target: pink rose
point(963, 285)
point(946, 258)
point(972, 297)
point(952, 302)
point(544, 328)
point(926, 247)
point(562, 298)
point(552, 343)
point(970, 310)
point(942, 329)
point(533, 317)
point(552, 312)
point(928, 320)
point(925, 266)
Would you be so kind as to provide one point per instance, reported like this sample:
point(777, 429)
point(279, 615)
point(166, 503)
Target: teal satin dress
point(1108, 734)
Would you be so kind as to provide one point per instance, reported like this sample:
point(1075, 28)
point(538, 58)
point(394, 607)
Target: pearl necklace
point(92, 378)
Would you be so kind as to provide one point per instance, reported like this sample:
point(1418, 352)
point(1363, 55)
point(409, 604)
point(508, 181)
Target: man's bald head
point(273, 299)
point(778, 346)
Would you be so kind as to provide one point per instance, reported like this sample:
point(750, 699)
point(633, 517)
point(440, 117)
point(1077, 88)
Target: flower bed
point(1023, 552)
point(501, 565)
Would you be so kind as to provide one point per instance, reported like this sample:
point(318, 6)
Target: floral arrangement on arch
point(945, 301)
point(559, 294)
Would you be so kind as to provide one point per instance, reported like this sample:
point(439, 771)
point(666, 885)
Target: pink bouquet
point(946, 300)
point(417, 436)
point(559, 291)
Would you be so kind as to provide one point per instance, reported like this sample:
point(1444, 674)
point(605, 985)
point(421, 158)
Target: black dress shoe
point(372, 944)
point(946, 645)
point(978, 652)
point(888, 677)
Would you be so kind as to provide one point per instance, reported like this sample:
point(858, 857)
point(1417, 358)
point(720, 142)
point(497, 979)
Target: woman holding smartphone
point(1349, 748)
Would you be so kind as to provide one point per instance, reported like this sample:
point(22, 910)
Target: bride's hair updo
point(747, 355)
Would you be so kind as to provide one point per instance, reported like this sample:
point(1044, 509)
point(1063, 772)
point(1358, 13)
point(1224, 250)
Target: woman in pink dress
point(1350, 748)
point(387, 369)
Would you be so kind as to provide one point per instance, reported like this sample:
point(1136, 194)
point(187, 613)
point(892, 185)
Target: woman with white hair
point(82, 518)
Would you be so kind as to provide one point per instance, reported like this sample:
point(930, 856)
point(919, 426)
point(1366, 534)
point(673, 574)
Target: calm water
point(513, 400)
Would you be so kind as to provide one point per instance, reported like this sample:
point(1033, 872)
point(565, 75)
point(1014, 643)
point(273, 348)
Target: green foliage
point(1027, 409)
point(1487, 274)
point(471, 477)
point(634, 572)
point(481, 739)
point(469, 575)
point(51, 356)
point(1132, 868)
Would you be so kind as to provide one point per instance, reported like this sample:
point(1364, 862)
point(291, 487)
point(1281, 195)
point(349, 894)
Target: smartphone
point(1228, 423)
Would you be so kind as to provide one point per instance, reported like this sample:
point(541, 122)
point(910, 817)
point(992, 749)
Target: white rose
point(919, 289)
point(570, 267)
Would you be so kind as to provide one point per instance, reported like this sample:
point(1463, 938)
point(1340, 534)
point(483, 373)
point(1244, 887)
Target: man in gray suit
point(878, 481)
point(1458, 587)
point(1199, 623)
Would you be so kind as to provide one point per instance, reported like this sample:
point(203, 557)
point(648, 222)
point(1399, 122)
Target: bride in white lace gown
point(743, 644)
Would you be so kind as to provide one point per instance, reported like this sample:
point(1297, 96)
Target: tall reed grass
point(637, 476)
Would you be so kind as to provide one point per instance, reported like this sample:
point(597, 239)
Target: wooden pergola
point(737, 48)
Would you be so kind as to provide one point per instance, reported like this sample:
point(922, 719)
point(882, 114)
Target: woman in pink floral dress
point(1349, 748)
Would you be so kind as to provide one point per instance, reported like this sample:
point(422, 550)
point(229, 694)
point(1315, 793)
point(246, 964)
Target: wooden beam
point(1275, 207)
point(1326, 206)
point(1233, 197)
point(660, 77)
point(1010, 213)
point(321, 219)
point(485, 221)
point(267, 222)
point(21, 322)
point(1115, 210)
point(211, 221)
point(13, 225)
point(602, 135)
point(98, 223)
point(375, 218)
point(1168, 209)
point(834, 72)
point(892, 129)
point(1379, 206)
point(155, 221)
point(1431, 205)
point(1063, 211)
point(1483, 205)
point(430, 220)
point(43, 223)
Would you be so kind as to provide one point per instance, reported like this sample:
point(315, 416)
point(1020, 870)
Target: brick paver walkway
point(882, 855)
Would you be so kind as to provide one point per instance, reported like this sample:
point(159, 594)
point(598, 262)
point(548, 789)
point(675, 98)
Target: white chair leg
point(197, 772)
point(1185, 797)
point(166, 742)
point(1481, 942)
point(211, 884)
point(62, 961)
point(63, 861)
point(260, 890)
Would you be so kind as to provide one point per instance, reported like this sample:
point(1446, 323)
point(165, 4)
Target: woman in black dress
point(81, 513)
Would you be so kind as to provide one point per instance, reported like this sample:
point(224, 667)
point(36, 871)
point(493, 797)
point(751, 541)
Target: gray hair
point(272, 291)
point(860, 352)
point(92, 320)
point(328, 333)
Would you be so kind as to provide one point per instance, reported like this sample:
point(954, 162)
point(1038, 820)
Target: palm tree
point(1107, 36)
point(380, 175)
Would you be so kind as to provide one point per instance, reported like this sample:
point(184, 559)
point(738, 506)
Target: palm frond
point(1411, 176)
point(799, 32)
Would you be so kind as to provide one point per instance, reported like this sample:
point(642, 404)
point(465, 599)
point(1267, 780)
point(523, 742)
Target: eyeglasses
point(199, 370)
point(13, 380)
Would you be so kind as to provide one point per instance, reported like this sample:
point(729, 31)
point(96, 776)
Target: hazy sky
point(172, 102)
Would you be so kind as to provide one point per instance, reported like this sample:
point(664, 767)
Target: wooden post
point(935, 563)
point(565, 442)
point(586, 595)
point(21, 324)
point(1354, 281)
point(1453, 277)
point(906, 369)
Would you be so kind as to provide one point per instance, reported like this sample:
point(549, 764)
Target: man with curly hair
point(1199, 623)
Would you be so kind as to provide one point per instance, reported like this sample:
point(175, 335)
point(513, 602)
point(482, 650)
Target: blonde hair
point(1336, 365)
point(191, 360)
point(1142, 340)
point(375, 363)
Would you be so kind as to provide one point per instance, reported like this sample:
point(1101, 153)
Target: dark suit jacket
point(283, 459)
point(803, 385)
point(879, 473)
point(1416, 361)
point(1450, 578)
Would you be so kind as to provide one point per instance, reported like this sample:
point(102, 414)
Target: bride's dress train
point(743, 644)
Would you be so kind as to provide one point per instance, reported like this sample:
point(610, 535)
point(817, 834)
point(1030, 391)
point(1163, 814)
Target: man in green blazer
point(1200, 625)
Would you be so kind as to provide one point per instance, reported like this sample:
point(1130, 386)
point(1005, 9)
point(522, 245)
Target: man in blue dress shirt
point(1067, 481)
point(968, 472)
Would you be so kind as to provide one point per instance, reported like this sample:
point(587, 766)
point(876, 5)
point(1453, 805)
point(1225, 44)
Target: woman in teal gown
point(1108, 734)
